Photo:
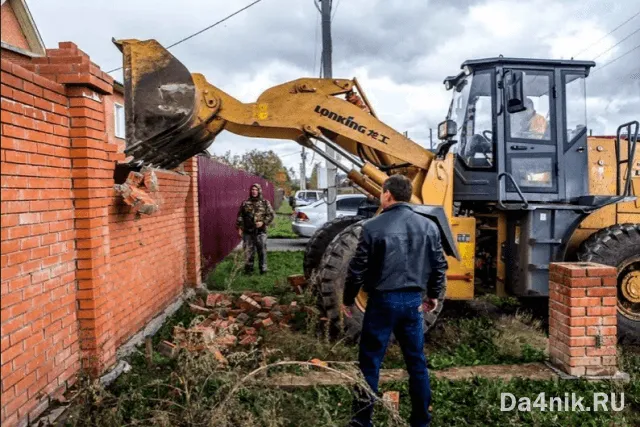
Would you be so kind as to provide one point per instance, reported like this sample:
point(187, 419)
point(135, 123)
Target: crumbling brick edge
point(58, 415)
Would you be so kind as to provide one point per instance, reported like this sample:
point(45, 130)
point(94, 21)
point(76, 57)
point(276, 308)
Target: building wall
point(10, 30)
point(109, 113)
point(81, 273)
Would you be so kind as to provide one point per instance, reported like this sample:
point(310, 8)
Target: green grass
point(285, 208)
point(482, 341)
point(281, 226)
point(183, 392)
point(228, 275)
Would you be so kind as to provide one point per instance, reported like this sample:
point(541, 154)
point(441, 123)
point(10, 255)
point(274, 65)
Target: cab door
point(531, 155)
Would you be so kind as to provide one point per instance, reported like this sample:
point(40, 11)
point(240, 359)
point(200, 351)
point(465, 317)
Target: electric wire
point(605, 36)
point(619, 42)
point(615, 59)
point(204, 29)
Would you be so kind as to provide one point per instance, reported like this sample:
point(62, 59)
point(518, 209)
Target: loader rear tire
point(619, 246)
point(332, 273)
point(318, 243)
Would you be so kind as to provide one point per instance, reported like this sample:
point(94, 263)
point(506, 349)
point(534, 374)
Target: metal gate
point(221, 190)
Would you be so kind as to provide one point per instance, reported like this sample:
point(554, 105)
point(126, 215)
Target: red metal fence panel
point(221, 190)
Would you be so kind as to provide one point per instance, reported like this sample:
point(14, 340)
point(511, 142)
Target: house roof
point(28, 27)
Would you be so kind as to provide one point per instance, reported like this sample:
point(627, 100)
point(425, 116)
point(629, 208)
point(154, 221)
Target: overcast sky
point(399, 50)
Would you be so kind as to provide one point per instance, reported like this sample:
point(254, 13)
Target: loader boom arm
point(172, 115)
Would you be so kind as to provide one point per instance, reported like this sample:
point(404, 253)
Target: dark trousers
point(252, 243)
point(398, 312)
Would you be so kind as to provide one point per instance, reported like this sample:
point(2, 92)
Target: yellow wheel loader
point(515, 184)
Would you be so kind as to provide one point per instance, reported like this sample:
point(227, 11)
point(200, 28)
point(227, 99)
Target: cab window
point(575, 106)
point(533, 122)
point(477, 145)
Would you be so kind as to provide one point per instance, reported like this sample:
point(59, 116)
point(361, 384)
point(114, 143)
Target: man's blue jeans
point(398, 312)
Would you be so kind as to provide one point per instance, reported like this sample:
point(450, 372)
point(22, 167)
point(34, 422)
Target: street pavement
point(287, 244)
point(280, 245)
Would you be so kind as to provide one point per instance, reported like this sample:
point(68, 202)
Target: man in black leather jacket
point(399, 257)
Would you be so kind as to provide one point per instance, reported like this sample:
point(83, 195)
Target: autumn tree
point(265, 164)
point(234, 161)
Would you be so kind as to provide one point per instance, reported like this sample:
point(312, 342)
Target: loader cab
point(521, 131)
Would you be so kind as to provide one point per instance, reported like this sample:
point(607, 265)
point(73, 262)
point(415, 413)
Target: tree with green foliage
point(313, 181)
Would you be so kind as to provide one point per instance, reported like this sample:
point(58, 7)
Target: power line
point(605, 36)
point(204, 29)
point(636, 31)
point(615, 59)
point(214, 24)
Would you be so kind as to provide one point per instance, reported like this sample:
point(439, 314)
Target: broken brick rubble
point(136, 192)
point(231, 321)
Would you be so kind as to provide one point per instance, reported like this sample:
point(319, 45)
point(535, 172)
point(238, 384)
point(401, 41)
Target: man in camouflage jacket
point(254, 216)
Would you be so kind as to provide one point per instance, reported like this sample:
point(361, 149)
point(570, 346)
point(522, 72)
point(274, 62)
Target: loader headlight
point(447, 129)
point(448, 85)
point(467, 70)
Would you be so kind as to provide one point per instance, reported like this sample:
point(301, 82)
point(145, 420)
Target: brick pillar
point(582, 323)
point(194, 275)
point(93, 163)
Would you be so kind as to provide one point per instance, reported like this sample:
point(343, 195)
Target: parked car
point(306, 197)
point(307, 219)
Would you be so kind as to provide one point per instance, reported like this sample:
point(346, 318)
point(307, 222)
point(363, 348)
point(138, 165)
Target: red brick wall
point(148, 266)
point(40, 351)
point(14, 57)
point(81, 273)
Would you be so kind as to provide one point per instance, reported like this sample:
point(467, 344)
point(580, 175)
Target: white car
point(307, 219)
point(307, 197)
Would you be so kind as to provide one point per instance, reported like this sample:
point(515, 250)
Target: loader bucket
point(161, 109)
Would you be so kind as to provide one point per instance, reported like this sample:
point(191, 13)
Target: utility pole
point(431, 138)
point(303, 170)
point(327, 73)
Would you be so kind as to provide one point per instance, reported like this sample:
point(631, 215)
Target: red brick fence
point(81, 272)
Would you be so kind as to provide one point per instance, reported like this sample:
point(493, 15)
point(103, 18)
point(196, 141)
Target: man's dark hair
point(399, 186)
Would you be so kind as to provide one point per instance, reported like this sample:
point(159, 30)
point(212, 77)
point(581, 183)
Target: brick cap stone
point(582, 269)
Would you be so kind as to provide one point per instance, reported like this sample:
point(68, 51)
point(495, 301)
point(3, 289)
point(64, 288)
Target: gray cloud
point(400, 51)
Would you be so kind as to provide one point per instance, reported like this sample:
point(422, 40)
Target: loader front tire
point(619, 246)
point(330, 279)
point(318, 243)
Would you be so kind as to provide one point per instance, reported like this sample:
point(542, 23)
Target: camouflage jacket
point(252, 211)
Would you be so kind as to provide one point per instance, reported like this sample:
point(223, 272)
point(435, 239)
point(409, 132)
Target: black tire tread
point(329, 282)
point(320, 240)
